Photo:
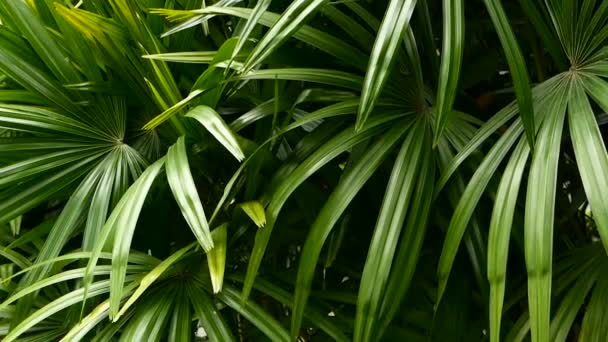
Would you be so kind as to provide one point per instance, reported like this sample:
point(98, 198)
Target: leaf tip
point(443, 280)
point(255, 211)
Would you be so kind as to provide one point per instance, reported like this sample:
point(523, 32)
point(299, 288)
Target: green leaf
point(33, 29)
point(21, 96)
point(288, 23)
point(451, 59)
point(210, 317)
point(255, 211)
point(338, 109)
point(428, 44)
point(500, 233)
point(596, 88)
point(122, 223)
point(185, 192)
point(471, 196)
point(540, 93)
point(258, 112)
point(212, 81)
point(172, 111)
point(539, 215)
point(489, 127)
point(16, 172)
point(59, 304)
point(547, 100)
point(181, 319)
point(395, 23)
point(314, 37)
point(255, 314)
point(202, 57)
point(387, 231)
point(256, 14)
point(63, 227)
point(593, 327)
point(590, 153)
point(351, 27)
point(42, 120)
point(314, 314)
point(413, 57)
point(214, 123)
point(152, 276)
point(336, 240)
point(517, 65)
point(331, 149)
point(32, 235)
point(29, 75)
point(150, 319)
point(51, 335)
point(28, 195)
point(130, 15)
point(100, 203)
point(107, 334)
point(350, 184)
point(136, 258)
point(216, 257)
point(59, 278)
point(322, 76)
point(564, 317)
point(545, 31)
point(15, 257)
point(405, 263)
point(80, 330)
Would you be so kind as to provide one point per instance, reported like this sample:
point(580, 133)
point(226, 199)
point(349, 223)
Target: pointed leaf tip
point(255, 211)
point(216, 258)
point(214, 123)
point(386, 46)
point(451, 61)
point(184, 190)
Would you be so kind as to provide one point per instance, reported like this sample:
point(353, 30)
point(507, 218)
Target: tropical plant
point(303, 170)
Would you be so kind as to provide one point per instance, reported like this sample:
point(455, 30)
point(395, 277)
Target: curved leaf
point(211, 319)
point(61, 303)
point(185, 192)
point(517, 65)
point(500, 233)
point(214, 123)
point(591, 156)
point(393, 27)
point(350, 184)
point(539, 215)
point(399, 193)
point(451, 59)
point(468, 202)
point(122, 224)
point(331, 149)
point(152, 276)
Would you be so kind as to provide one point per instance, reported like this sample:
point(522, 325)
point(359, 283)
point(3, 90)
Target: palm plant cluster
point(399, 170)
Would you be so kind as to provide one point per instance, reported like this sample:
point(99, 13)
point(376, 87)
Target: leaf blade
point(349, 185)
point(184, 190)
point(591, 155)
point(212, 121)
point(393, 27)
point(538, 221)
point(517, 65)
point(500, 231)
point(216, 258)
point(451, 60)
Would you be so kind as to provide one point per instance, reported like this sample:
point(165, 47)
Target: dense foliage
point(318, 170)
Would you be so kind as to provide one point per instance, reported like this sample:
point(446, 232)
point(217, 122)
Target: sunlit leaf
point(255, 211)
point(185, 192)
point(215, 125)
